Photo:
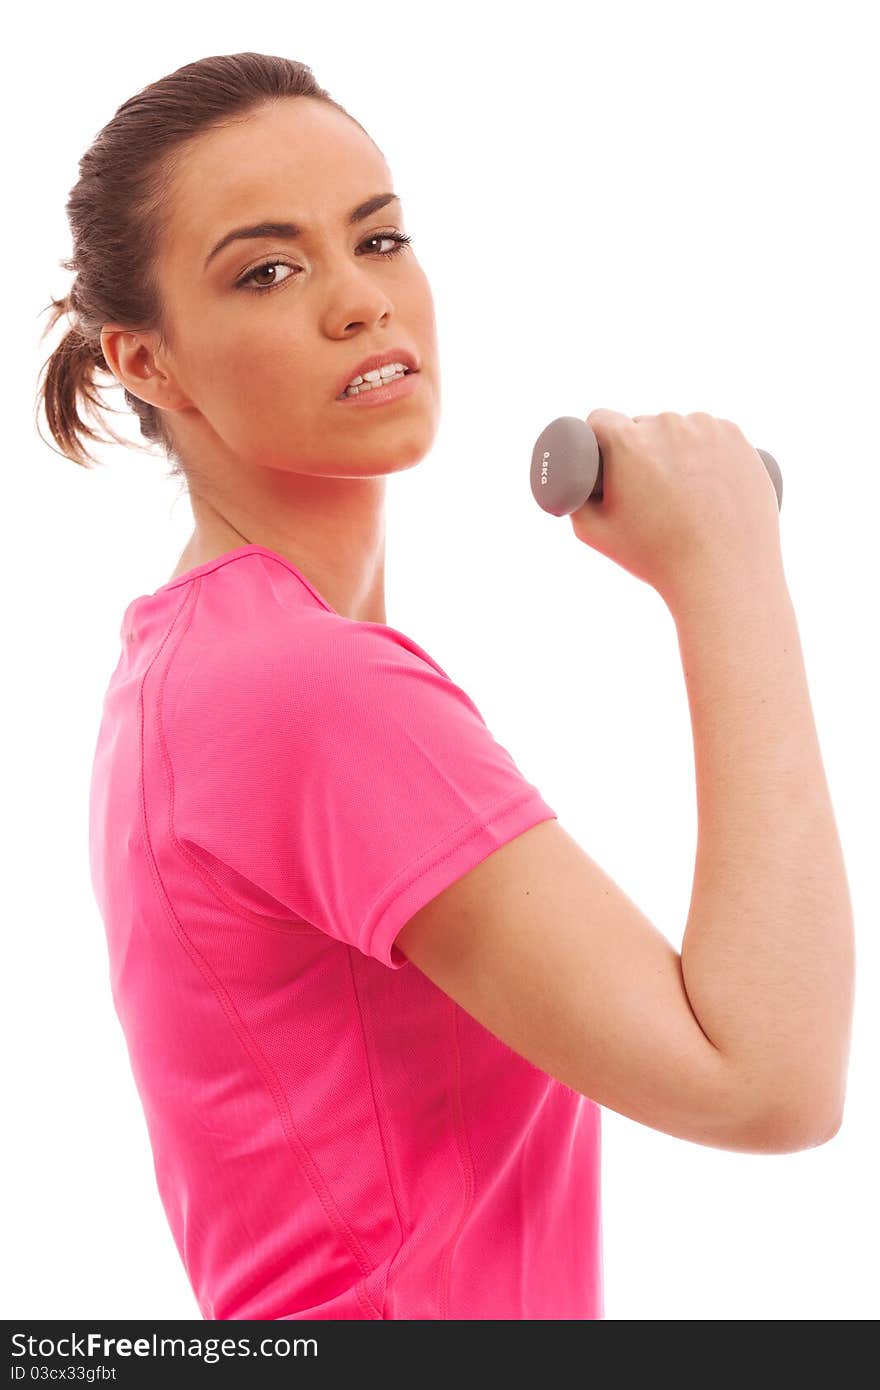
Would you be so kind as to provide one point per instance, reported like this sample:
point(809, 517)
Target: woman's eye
point(259, 269)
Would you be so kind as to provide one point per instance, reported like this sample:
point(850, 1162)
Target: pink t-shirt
point(276, 790)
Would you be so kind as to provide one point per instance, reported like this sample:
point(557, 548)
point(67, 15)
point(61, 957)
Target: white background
point(647, 207)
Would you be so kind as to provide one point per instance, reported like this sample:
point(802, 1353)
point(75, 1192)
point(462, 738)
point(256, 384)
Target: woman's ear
point(132, 357)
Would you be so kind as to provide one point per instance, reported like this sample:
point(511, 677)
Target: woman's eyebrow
point(292, 229)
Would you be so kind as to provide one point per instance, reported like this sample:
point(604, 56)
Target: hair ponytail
point(68, 378)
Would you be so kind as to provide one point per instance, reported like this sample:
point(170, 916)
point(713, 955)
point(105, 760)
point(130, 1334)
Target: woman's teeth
point(379, 377)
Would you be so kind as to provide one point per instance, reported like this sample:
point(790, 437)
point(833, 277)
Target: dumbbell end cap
point(565, 465)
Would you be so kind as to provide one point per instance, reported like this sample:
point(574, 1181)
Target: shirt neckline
point(252, 548)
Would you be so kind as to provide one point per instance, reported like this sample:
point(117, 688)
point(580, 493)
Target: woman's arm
point(741, 1041)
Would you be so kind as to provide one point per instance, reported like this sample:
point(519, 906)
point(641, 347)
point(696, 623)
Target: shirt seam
point(374, 1096)
point(467, 1166)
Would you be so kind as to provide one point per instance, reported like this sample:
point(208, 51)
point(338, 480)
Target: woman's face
point(260, 353)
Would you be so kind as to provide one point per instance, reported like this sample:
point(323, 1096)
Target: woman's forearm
point(768, 950)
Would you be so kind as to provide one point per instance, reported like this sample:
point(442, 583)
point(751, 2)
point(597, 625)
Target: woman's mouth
point(394, 388)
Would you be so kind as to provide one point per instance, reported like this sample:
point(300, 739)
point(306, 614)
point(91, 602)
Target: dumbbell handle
point(567, 467)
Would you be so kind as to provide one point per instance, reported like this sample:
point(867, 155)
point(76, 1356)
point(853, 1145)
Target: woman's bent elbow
point(785, 1134)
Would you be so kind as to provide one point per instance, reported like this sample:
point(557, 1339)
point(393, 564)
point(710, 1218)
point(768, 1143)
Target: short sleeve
point(347, 776)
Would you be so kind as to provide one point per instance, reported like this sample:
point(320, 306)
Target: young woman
point(373, 993)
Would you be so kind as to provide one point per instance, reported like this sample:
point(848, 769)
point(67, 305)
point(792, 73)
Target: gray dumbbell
point(567, 467)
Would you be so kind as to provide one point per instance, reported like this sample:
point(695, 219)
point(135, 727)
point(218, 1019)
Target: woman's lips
point(379, 395)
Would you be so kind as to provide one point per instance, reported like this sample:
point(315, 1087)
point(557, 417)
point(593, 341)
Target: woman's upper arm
point(539, 945)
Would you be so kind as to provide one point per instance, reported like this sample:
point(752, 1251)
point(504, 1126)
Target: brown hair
point(118, 212)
